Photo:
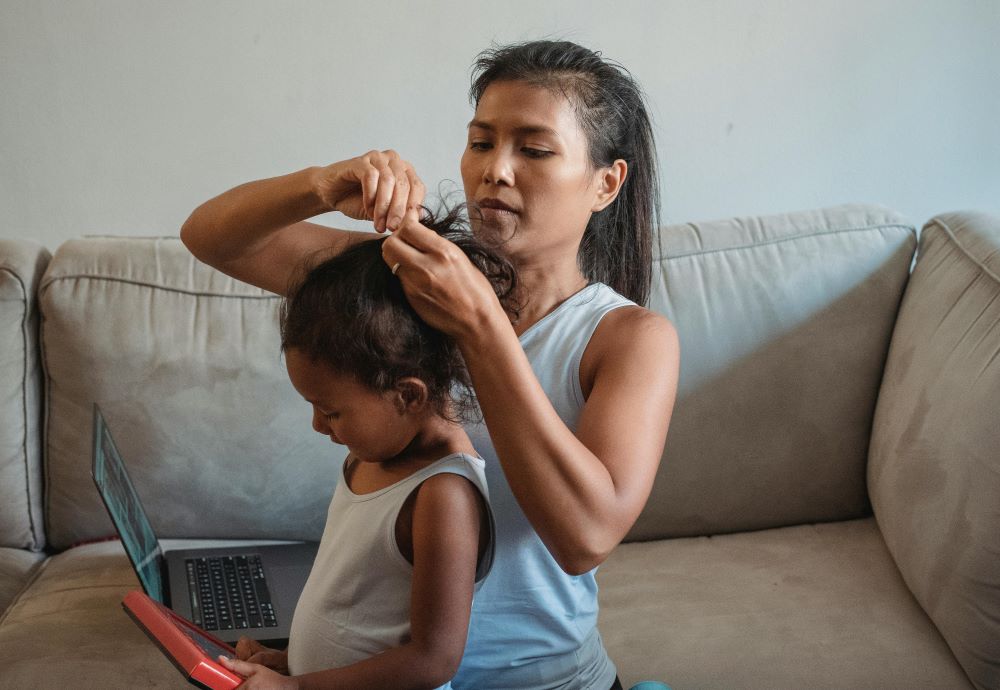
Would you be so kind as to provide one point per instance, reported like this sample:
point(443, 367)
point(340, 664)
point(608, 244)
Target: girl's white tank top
point(356, 602)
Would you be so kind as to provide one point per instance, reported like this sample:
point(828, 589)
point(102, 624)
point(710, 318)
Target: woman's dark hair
point(617, 245)
point(351, 314)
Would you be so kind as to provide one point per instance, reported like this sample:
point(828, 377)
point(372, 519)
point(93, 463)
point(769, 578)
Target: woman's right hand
point(378, 186)
point(251, 650)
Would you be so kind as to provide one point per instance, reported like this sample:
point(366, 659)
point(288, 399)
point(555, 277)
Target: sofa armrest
point(21, 267)
point(934, 461)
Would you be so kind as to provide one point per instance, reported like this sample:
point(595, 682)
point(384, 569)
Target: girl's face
point(527, 172)
point(373, 425)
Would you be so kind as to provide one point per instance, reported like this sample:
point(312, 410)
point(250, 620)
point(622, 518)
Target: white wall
point(121, 116)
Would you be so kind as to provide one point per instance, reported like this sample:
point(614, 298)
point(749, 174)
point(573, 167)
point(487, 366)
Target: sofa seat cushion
point(16, 567)
point(68, 628)
point(812, 606)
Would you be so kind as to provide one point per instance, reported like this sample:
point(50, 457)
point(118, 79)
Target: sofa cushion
point(934, 472)
point(813, 606)
point(68, 629)
point(784, 323)
point(16, 567)
point(186, 366)
point(21, 524)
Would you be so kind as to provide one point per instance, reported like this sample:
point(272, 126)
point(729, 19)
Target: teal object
point(650, 685)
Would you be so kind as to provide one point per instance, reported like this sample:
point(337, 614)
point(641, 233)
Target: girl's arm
point(446, 522)
point(582, 492)
point(257, 233)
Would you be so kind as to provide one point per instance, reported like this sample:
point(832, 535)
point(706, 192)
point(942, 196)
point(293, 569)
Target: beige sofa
point(826, 515)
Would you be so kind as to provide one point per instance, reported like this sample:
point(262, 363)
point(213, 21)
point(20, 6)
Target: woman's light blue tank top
point(533, 626)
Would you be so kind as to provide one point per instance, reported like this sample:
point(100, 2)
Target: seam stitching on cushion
point(35, 574)
point(153, 286)
point(944, 226)
point(45, 427)
point(787, 239)
point(24, 404)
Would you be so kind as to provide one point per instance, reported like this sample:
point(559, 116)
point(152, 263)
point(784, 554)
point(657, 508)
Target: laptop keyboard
point(229, 593)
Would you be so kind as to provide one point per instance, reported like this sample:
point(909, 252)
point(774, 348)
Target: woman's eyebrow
point(521, 129)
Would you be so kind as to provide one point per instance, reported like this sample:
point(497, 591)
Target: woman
point(576, 395)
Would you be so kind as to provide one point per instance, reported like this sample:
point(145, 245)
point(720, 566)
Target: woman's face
point(527, 172)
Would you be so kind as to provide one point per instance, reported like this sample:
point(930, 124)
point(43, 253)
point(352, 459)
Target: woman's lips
point(497, 213)
point(494, 210)
point(494, 205)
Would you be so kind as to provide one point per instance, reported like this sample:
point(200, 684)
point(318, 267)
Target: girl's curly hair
point(350, 313)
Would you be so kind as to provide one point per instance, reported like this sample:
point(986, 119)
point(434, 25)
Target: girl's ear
point(411, 395)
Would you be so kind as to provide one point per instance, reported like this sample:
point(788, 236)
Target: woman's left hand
point(258, 677)
point(442, 285)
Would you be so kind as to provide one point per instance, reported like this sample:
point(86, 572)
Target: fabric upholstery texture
point(784, 324)
point(814, 606)
point(21, 524)
point(186, 366)
point(934, 471)
point(68, 630)
point(16, 567)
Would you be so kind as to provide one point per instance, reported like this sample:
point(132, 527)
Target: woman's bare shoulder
point(630, 336)
point(633, 326)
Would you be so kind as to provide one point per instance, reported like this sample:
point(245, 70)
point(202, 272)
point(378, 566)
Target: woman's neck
point(544, 285)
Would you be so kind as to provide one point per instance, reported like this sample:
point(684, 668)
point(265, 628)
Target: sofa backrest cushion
point(934, 469)
point(784, 323)
point(185, 364)
point(21, 524)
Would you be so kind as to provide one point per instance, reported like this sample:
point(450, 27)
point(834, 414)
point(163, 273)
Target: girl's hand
point(248, 649)
point(442, 285)
point(378, 186)
point(258, 677)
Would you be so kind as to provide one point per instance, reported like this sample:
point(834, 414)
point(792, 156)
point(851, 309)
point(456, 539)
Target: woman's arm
point(256, 232)
point(582, 492)
point(446, 521)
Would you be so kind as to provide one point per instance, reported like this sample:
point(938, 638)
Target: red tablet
point(191, 649)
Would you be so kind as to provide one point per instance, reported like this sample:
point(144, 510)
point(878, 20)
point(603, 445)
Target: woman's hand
point(258, 677)
point(378, 186)
point(248, 649)
point(442, 285)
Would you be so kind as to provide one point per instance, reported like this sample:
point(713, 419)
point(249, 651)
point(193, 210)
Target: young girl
point(409, 533)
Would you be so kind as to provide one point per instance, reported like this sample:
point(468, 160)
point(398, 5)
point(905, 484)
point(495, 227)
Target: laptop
point(230, 592)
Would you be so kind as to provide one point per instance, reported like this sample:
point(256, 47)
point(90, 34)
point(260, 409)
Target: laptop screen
point(126, 512)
